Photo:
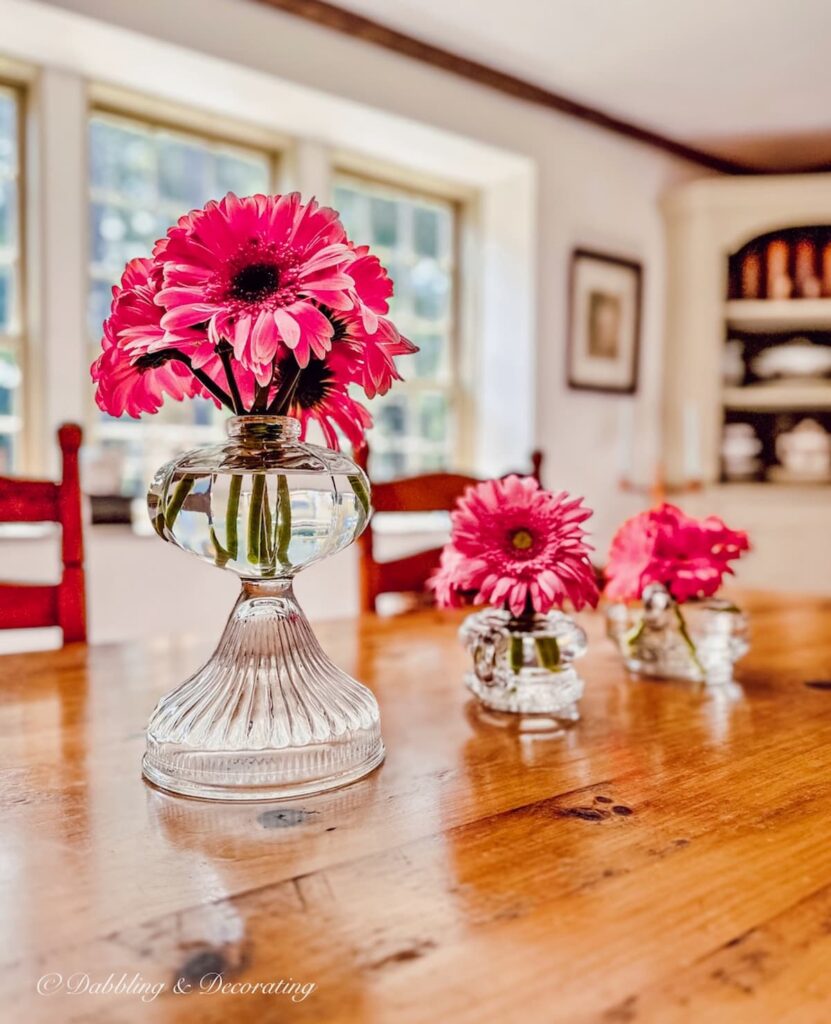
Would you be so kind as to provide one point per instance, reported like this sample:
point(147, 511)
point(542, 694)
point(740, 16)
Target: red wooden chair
point(432, 492)
point(29, 605)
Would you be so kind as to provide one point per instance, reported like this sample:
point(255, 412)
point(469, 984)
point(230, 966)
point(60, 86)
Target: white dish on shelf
point(740, 448)
point(799, 359)
point(804, 453)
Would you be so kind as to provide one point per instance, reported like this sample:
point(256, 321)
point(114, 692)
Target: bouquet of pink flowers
point(262, 304)
point(517, 546)
point(689, 557)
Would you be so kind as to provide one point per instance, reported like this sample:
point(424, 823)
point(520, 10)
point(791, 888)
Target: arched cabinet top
point(788, 262)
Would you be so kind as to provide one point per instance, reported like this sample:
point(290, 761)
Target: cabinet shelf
point(763, 316)
point(779, 397)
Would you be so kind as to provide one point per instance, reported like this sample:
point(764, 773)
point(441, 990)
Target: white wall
point(546, 184)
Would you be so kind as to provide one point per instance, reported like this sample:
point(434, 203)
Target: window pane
point(431, 290)
point(8, 218)
point(383, 219)
point(142, 178)
point(433, 416)
point(10, 380)
point(9, 384)
point(8, 134)
point(6, 299)
point(98, 306)
point(429, 361)
point(414, 238)
point(183, 172)
point(426, 231)
point(119, 234)
point(239, 175)
point(10, 327)
point(123, 160)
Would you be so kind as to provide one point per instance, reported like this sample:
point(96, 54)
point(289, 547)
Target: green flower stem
point(688, 640)
point(230, 551)
point(515, 653)
point(361, 493)
point(255, 516)
point(224, 351)
point(282, 401)
point(174, 506)
point(266, 544)
point(231, 524)
point(283, 537)
point(635, 633)
point(549, 652)
point(221, 556)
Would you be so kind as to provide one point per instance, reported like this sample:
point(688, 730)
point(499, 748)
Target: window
point(11, 331)
point(414, 235)
point(143, 177)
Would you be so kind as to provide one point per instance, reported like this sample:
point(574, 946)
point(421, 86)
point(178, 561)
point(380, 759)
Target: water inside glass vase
point(264, 504)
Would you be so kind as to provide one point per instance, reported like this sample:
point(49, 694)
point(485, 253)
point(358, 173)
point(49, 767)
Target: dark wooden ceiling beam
point(370, 31)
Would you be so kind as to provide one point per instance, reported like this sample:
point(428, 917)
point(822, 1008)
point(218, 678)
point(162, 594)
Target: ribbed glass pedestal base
point(268, 716)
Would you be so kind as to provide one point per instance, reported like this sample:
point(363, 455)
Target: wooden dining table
point(668, 858)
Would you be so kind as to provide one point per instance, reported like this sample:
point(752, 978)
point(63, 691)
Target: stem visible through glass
point(174, 506)
point(548, 650)
point(283, 536)
point(256, 532)
point(688, 640)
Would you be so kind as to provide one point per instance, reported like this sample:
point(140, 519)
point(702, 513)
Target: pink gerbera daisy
point(129, 378)
point(256, 271)
point(519, 546)
point(690, 557)
point(451, 582)
point(373, 286)
point(368, 360)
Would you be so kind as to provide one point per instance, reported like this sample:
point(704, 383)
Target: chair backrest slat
point(432, 492)
point(25, 606)
point(28, 501)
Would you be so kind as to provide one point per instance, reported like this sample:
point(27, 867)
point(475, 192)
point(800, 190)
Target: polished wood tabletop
point(667, 859)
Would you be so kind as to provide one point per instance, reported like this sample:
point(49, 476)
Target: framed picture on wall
point(604, 322)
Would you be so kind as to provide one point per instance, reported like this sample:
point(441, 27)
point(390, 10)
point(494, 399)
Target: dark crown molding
point(334, 17)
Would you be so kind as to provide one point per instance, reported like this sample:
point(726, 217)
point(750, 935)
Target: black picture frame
point(603, 285)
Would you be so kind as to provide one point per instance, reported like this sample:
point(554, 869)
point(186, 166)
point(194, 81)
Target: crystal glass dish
point(268, 715)
point(524, 667)
point(699, 641)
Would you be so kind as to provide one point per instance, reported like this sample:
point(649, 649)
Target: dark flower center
point(339, 327)
point(151, 361)
point(255, 281)
point(521, 539)
point(313, 385)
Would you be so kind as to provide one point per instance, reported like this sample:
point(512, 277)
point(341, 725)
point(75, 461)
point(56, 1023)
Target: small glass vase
point(523, 666)
point(699, 642)
point(268, 715)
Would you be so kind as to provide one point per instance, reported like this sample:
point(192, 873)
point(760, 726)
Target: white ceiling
point(745, 78)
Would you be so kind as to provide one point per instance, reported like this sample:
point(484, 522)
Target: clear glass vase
point(523, 666)
point(699, 642)
point(268, 715)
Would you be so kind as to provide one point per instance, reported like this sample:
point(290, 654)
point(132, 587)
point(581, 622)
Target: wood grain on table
point(667, 859)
